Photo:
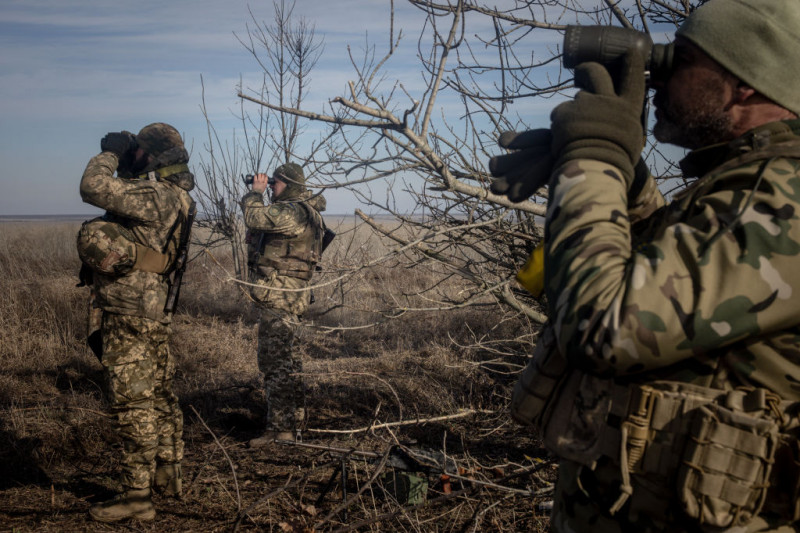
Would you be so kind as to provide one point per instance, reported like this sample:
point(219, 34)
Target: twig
point(228, 457)
point(361, 490)
point(460, 414)
point(440, 499)
point(286, 486)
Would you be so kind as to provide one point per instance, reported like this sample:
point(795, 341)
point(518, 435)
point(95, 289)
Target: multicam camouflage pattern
point(583, 497)
point(152, 211)
point(290, 228)
point(282, 367)
point(145, 413)
point(684, 292)
point(699, 292)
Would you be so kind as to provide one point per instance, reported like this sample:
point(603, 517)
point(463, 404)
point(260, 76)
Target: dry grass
point(57, 454)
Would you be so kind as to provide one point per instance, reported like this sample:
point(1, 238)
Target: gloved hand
point(118, 142)
point(519, 174)
point(602, 122)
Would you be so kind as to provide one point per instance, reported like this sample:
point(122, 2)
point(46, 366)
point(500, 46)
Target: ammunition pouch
point(294, 268)
point(111, 249)
point(721, 454)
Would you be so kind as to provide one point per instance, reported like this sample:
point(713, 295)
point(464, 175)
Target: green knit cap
point(758, 41)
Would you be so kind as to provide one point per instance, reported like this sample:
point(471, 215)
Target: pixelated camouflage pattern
point(145, 413)
point(278, 359)
point(157, 138)
point(282, 366)
point(106, 247)
point(284, 223)
point(700, 292)
point(152, 212)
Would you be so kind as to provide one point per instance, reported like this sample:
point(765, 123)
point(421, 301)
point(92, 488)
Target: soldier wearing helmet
point(284, 246)
point(129, 255)
point(667, 379)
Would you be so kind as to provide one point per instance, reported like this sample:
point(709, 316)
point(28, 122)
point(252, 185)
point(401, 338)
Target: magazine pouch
point(724, 474)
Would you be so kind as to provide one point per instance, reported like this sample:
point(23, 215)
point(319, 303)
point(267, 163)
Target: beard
point(698, 119)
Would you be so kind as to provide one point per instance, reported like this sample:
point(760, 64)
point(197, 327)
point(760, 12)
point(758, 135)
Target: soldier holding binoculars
point(667, 379)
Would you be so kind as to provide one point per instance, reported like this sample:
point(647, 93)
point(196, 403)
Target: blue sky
point(73, 70)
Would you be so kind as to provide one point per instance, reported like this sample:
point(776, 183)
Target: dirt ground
point(435, 385)
point(284, 487)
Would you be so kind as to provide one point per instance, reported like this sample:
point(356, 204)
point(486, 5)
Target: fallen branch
point(460, 414)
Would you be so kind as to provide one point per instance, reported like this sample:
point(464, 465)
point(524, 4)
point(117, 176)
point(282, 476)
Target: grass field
point(435, 381)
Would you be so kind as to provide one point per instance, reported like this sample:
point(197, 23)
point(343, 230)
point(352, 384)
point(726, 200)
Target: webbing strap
point(722, 487)
point(743, 467)
point(164, 172)
point(744, 441)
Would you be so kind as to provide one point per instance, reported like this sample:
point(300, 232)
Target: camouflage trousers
point(145, 412)
point(282, 367)
point(583, 498)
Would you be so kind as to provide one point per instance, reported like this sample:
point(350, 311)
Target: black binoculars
point(606, 44)
point(248, 180)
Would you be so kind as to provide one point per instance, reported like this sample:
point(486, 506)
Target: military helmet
point(157, 138)
point(292, 175)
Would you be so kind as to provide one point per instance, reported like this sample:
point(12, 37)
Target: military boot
point(168, 480)
point(133, 503)
point(271, 436)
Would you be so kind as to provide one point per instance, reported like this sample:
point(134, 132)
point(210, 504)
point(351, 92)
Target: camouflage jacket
point(284, 243)
point(701, 290)
point(152, 211)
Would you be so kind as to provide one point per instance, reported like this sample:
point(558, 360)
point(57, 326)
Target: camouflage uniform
point(667, 379)
point(284, 245)
point(153, 209)
point(700, 293)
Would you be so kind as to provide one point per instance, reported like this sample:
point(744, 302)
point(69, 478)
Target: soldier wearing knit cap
point(284, 245)
point(667, 379)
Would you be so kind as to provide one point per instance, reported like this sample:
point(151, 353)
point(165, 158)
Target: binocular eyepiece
point(606, 44)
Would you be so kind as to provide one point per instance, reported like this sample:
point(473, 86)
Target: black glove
point(118, 142)
point(521, 173)
point(603, 123)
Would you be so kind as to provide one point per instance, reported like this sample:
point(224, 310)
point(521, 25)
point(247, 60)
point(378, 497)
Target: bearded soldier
point(668, 377)
point(285, 241)
point(132, 256)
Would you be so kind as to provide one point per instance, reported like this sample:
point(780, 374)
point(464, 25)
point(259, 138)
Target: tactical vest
point(726, 456)
point(293, 256)
point(110, 246)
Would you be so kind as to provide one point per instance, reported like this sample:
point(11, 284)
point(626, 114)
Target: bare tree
point(400, 154)
point(287, 50)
